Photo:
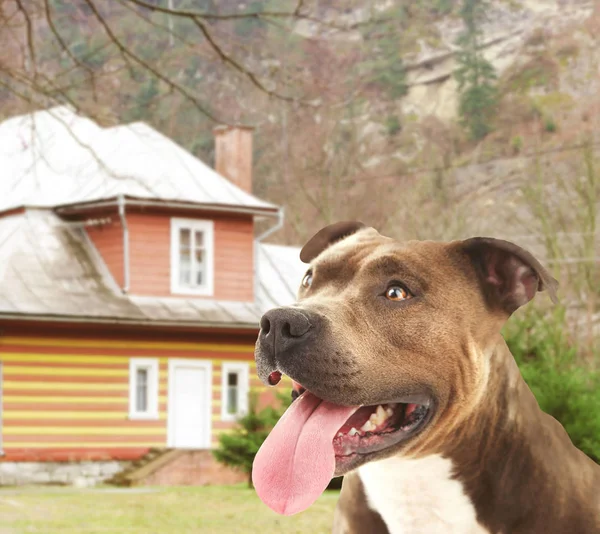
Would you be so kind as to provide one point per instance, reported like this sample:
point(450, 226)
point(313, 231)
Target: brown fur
point(518, 465)
point(352, 516)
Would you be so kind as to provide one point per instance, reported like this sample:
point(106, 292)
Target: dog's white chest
point(419, 497)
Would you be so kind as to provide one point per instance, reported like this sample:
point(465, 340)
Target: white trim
point(243, 370)
point(199, 364)
point(207, 227)
point(152, 365)
point(264, 212)
point(149, 323)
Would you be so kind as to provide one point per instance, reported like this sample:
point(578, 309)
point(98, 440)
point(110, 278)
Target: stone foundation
point(188, 467)
point(81, 474)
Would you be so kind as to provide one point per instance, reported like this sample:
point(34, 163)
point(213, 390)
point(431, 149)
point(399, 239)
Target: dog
point(405, 385)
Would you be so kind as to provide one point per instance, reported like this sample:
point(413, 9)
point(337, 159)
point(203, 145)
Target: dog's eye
point(307, 280)
point(397, 293)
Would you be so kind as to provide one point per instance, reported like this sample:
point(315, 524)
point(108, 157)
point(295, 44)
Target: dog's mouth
point(315, 440)
point(374, 428)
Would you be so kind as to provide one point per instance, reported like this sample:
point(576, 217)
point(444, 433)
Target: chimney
point(233, 154)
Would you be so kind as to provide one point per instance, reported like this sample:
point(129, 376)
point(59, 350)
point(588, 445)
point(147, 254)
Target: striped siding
point(69, 398)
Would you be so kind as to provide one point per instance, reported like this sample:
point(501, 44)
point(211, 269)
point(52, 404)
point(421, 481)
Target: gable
point(152, 257)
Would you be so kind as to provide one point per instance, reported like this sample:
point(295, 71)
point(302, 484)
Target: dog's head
point(400, 329)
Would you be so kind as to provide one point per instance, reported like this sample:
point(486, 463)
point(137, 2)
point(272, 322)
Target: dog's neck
point(501, 454)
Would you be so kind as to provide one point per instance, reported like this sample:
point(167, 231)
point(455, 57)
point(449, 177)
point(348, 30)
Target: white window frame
point(152, 365)
point(243, 370)
point(194, 225)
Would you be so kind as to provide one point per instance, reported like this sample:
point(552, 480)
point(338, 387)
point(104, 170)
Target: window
point(234, 390)
point(143, 388)
point(192, 253)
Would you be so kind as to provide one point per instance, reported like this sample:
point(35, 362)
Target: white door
point(189, 404)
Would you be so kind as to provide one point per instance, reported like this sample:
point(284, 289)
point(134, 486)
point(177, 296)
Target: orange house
point(132, 282)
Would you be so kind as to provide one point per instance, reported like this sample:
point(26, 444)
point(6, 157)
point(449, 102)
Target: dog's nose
point(283, 328)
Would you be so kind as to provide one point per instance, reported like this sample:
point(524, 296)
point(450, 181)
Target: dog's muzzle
point(282, 329)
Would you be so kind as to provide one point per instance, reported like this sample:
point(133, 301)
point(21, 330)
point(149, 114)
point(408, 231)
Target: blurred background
point(429, 119)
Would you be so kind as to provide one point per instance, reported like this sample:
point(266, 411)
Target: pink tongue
point(296, 462)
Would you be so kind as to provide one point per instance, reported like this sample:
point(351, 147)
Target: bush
point(549, 125)
point(565, 389)
point(239, 448)
point(516, 144)
point(392, 125)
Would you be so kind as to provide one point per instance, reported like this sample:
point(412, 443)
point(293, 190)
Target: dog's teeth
point(353, 432)
point(378, 417)
point(389, 412)
point(340, 434)
point(381, 414)
point(368, 426)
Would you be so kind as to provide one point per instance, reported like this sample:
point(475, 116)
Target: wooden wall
point(67, 397)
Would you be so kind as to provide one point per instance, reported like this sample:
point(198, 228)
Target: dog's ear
point(326, 237)
point(509, 275)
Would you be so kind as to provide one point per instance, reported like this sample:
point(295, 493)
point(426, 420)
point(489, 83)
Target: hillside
point(547, 59)
point(354, 103)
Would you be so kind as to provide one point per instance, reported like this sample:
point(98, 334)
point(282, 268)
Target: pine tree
point(238, 448)
point(475, 75)
point(386, 69)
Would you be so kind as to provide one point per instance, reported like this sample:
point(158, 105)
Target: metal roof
point(56, 157)
point(50, 271)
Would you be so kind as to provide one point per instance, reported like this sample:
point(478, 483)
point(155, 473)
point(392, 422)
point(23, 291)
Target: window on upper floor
point(143, 388)
point(234, 390)
point(192, 253)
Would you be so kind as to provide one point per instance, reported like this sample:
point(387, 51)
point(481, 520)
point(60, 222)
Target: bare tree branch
point(66, 48)
point(127, 53)
point(192, 14)
point(30, 39)
point(90, 149)
point(229, 60)
point(146, 19)
point(199, 20)
point(74, 67)
point(293, 14)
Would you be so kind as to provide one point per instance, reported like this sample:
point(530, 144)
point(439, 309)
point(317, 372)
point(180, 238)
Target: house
point(131, 288)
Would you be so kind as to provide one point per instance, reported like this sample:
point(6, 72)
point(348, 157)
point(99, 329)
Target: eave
point(86, 207)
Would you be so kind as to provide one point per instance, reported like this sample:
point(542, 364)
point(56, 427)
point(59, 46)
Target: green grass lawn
point(180, 510)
